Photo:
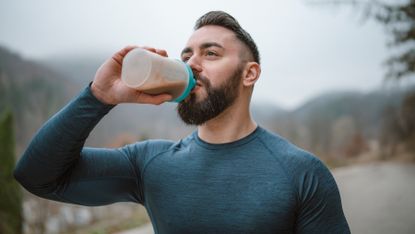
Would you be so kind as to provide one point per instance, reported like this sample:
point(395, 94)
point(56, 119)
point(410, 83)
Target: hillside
point(32, 91)
point(341, 125)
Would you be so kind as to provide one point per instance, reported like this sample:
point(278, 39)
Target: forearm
point(57, 145)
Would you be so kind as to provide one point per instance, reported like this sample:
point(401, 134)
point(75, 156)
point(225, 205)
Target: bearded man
point(229, 176)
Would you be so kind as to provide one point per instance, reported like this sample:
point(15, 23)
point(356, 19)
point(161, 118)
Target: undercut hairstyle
point(223, 19)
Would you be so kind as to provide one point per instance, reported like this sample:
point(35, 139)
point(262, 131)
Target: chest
point(237, 194)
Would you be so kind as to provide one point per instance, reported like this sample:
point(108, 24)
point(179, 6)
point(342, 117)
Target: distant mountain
point(32, 91)
point(365, 108)
point(341, 124)
point(79, 68)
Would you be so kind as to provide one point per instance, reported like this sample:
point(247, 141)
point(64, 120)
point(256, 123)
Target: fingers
point(153, 99)
point(161, 52)
point(128, 95)
point(157, 51)
point(119, 56)
point(149, 48)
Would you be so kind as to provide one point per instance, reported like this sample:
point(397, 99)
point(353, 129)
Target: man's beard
point(217, 100)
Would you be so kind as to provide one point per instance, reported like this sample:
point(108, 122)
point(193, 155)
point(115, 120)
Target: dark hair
point(225, 20)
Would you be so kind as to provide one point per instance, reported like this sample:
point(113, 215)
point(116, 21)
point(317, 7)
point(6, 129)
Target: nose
point(194, 64)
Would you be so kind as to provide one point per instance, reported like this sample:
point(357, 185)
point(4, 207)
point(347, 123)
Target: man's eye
point(185, 58)
point(210, 53)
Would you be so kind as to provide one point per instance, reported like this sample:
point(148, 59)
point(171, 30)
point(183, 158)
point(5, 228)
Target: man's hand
point(109, 88)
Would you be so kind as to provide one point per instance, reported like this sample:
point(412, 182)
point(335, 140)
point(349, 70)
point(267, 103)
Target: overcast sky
point(305, 49)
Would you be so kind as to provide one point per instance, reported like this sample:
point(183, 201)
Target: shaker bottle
point(154, 74)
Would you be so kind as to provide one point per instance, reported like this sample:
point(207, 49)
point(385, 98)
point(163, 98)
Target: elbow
point(28, 181)
point(18, 174)
point(20, 177)
point(23, 171)
point(27, 173)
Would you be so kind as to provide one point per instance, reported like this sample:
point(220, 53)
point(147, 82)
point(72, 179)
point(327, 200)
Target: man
point(229, 176)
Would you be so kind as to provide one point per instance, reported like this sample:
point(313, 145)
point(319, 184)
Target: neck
point(231, 125)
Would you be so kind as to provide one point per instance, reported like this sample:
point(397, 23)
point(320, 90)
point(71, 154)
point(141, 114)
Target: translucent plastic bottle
point(154, 74)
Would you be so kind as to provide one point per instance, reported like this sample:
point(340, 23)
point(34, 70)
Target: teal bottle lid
point(190, 84)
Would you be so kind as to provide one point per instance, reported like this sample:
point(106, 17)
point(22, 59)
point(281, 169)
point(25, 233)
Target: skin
point(108, 87)
point(212, 52)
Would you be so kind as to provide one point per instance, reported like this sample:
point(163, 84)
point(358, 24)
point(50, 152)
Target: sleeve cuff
point(92, 100)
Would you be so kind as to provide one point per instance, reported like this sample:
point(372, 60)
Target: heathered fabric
point(259, 184)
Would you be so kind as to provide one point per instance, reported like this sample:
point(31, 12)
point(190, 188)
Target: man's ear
point(251, 73)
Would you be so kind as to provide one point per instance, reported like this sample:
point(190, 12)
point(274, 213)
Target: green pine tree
point(10, 193)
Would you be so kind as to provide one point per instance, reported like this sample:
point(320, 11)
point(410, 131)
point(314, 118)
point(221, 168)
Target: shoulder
point(144, 151)
point(299, 164)
point(140, 152)
point(285, 152)
point(149, 147)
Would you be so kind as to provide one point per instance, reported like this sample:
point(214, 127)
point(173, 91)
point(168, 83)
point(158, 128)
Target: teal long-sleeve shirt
point(259, 184)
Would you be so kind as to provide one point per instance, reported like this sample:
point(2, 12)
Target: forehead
point(213, 33)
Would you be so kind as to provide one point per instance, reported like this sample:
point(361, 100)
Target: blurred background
point(337, 79)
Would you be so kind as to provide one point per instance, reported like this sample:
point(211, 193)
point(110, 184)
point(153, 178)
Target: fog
point(305, 49)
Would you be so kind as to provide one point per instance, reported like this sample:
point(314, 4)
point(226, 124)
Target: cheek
point(218, 71)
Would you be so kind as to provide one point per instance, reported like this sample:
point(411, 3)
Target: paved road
point(378, 198)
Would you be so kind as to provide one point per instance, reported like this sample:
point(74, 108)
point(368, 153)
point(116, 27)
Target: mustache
point(202, 79)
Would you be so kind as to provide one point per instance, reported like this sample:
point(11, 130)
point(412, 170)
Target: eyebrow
point(203, 46)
